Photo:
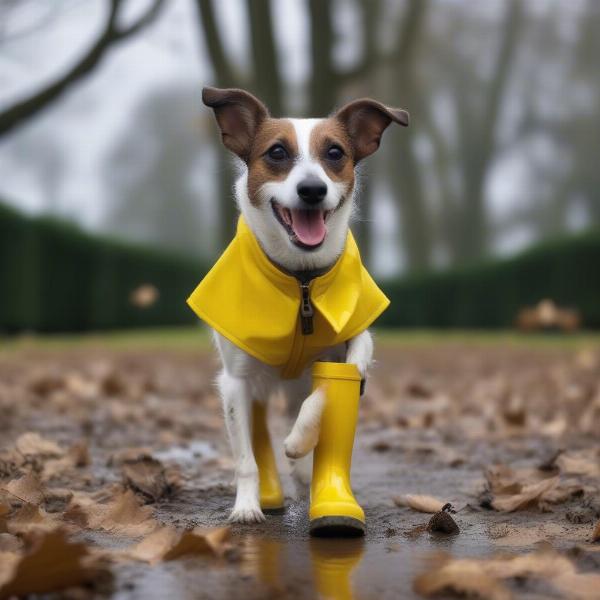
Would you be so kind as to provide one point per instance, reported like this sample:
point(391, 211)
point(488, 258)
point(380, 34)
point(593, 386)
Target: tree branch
point(25, 109)
point(224, 72)
point(143, 21)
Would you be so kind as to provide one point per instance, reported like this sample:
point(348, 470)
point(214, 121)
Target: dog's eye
point(335, 153)
point(277, 152)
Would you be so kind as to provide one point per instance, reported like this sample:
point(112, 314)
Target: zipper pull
point(306, 310)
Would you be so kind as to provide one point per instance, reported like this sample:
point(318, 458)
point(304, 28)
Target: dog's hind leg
point(237, 404)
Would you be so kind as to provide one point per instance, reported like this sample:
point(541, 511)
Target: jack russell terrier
point(290, 301)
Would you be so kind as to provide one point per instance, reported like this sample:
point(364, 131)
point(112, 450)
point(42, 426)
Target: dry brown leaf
point(596, 533)
point(529, 495)
point(422, 503)
point(10, 543)
point(517, 489)
point(76, 456)
point(484, 578)
point(465, 577)
point(27, 488)
point(10, 463)
point(122, 514)
point(128, 454)
point(169, 544)
point(147, 476)
point(584, 462)
point(4, 510)
point(52, 563)
point(31, 518)
point(33, 444)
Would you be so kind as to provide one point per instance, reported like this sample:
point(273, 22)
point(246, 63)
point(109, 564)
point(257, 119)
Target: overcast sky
point(81, 126)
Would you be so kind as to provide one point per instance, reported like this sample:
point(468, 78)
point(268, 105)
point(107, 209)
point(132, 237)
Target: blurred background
point(102, 131)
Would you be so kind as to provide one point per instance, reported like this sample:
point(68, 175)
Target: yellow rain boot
point(333, 508)
point(271, 493)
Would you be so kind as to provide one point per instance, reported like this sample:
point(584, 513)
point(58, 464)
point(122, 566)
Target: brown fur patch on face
point(261, 169)
point(330, 132)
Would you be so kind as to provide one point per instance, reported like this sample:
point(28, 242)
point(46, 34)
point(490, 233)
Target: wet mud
point(433, 420)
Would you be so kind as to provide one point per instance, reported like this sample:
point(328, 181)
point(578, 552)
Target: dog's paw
point(297, 446)
point(246, 513)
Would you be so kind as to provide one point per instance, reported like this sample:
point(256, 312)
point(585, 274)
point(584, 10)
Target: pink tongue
point(309, 226)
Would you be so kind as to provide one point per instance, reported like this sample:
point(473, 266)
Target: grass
point(171, 338)
point(194, 338)
point(507, 337)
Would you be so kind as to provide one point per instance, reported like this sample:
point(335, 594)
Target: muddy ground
point(507, 433)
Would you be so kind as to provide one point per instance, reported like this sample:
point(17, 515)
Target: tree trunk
point(472, 239)
point(404, 168)
point(323, 88)
point(266, 79)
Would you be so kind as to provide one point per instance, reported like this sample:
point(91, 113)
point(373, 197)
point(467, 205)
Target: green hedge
point(54, 277)
point(489, 295)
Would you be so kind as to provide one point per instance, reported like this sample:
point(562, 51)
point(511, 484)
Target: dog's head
point(297, 191)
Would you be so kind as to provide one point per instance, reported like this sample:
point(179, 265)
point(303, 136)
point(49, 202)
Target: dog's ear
point(238, 115)
point(365, 121)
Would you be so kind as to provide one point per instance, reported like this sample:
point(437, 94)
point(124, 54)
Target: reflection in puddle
point(328, 564)
point(352, 568)
point(333, 562)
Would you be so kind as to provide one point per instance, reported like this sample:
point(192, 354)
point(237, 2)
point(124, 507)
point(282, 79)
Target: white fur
point(244, 379)
point(272, 237)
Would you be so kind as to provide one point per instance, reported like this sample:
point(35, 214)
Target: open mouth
point(306, 226)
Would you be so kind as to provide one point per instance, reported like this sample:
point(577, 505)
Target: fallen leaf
point(422, 503)
point(75, 457)
point(10, 462)
point(596, 533)
point(200, 540)
point(44, 384)
point(128, 454)
point(29, 518)
point(465, 577)
point(147, 476)
point(4, 510)
point(169, 544)
point(509, 490)
point(9, 543)
point(529, 494)
point(144, 295)
point(52, 563)
point(122, 514)
point(484, 578)
point(585, 462)
point(33, 444)
point(27, 488)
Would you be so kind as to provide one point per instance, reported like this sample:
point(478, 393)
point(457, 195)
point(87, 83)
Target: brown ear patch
point(239, 115)
point(261, 170)
point(365, 121)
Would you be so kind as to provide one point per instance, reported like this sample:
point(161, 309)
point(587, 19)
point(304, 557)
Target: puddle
point(187, 454)
point(348, 569)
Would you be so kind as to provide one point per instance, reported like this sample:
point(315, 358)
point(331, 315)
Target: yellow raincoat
point(277, 318)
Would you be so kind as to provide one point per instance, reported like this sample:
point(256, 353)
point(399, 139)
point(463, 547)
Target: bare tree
point(111, 35)
point(264, 80)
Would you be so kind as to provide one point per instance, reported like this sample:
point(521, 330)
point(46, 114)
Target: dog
point(297, 195)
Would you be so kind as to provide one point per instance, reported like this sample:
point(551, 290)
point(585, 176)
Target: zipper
point(306, 309)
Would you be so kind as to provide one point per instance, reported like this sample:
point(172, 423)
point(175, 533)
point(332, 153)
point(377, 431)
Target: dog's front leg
point(360, 352)
point(305, 433)
point(237, 404)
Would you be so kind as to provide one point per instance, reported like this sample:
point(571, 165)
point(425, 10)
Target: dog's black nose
point(312, 190)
